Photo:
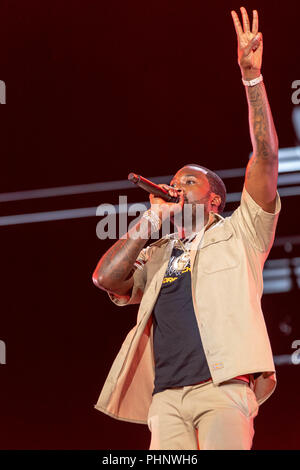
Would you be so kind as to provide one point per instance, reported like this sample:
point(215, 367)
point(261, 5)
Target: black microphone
point(151, 188)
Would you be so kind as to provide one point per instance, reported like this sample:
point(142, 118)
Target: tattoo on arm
point(262, 129)
point(117, 264)
point(120, 258)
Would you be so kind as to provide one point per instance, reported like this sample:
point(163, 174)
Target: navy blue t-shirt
point(178, 351)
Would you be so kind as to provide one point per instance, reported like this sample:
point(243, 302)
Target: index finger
point(165, 186)
point(237, 24)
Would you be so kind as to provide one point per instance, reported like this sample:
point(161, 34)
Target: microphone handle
point(151, 188)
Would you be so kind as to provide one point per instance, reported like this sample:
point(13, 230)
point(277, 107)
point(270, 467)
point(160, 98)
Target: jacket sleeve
point(257, 225)
point(139, 281)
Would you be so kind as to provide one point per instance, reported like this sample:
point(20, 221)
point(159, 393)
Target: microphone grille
point(133, 177)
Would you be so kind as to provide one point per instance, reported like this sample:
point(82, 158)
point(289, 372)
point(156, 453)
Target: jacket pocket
point(219, 260)
point(219, 254)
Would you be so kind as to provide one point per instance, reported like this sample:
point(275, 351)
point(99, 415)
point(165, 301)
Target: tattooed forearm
point(262, 130)
point(117, 264)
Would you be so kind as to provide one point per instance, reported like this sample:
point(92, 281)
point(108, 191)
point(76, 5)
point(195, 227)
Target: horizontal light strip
point(274, 286)
point(231, 173)
point(47, 216)
point(293, 178)
point(289, 153)
point(283, 192)
point(278, 263)
point(289, 161)
point(292, 191)
point(283, 360)
point(292, 240)
point(283, 179)
point(119, 185)
point(91, 211)
point(277, 275)
point(78, 189)
point(97, 187)
point(62, 214)
point(277, 272)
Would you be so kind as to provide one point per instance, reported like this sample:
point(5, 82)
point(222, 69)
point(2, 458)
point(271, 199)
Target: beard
point(197, 214)
point(204, 201)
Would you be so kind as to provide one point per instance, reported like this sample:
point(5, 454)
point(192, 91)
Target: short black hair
point(215, 183)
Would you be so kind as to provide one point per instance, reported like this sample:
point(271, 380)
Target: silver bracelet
point(153, 219)
point(253, 82)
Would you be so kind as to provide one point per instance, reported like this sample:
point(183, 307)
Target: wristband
point(253, 82)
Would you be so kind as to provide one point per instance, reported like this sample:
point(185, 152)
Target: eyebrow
point(185, 176)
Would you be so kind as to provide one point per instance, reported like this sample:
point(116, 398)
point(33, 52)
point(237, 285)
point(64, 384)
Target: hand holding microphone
point(164, 199)
point(152, 188)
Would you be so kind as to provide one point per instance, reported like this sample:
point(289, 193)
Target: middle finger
point(246, 21)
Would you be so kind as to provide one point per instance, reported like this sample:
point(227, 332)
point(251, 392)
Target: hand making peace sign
point(250, 44)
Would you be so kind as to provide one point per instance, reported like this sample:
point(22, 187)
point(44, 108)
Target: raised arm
point(262, 169)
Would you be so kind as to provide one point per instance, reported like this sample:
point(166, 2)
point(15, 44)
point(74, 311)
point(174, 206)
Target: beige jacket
point(227, 286)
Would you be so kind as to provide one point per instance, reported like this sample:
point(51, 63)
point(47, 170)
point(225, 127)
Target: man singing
point(198, 363)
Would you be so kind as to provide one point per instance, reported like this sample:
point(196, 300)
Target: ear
point(215, 201)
